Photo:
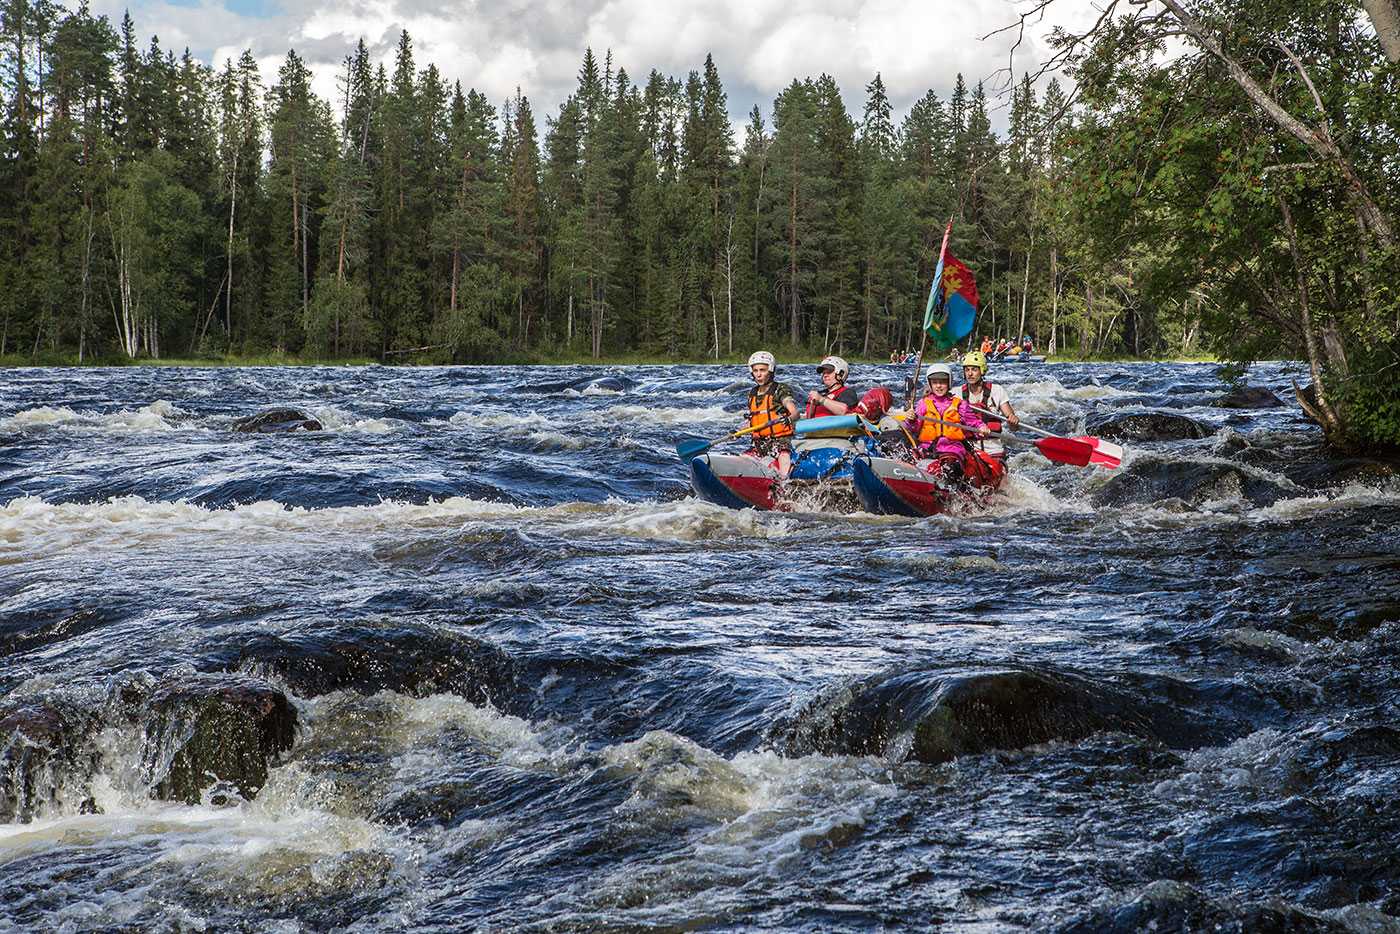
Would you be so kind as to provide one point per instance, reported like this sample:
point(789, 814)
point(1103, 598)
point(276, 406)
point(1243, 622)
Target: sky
point(759, 46)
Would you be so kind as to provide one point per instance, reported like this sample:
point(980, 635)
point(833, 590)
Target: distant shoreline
point(265, 360)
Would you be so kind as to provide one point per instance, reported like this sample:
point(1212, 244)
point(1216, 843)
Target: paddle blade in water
point(1066, 451)
point(691, 448)
point(1106, 453)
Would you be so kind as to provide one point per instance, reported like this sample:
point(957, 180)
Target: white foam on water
point(758, 814)
point(667, 416)
point(149, 418)
point(32, 528)
point(501, 420)
point(334, 419)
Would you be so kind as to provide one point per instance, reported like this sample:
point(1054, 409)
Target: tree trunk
point(1318, 140)
point(1025, 291)
point(228, 273)
point(1054, 298)
point(794, 326)
point(1323, 411)
point(1385, 16)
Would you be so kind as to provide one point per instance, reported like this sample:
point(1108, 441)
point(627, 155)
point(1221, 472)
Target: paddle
point(692, 448)
point(1101, 452)
point(1071, 451)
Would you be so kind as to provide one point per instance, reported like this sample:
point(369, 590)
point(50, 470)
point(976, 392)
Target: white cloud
point(759, 46)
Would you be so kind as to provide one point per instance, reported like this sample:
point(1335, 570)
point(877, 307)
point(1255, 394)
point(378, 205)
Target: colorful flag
point(949, 316)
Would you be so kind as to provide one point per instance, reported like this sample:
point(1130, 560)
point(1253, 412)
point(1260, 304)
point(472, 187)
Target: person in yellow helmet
point(979, 391)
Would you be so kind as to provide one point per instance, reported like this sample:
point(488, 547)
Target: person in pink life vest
point(942, 423)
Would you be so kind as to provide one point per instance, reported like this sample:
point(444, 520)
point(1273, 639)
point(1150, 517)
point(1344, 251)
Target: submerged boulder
point(1186, 484)
point(45, 757)
point(608, 384)
point(1173, 906)
point(934, 716)
point(1249, 397)
point(201, 730)
point(277, 420)
point(1148, 426)
point(413, 660)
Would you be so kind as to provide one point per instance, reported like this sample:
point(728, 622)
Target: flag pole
point(913, 382)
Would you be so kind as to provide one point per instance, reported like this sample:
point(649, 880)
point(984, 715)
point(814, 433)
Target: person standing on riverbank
point(772, 412)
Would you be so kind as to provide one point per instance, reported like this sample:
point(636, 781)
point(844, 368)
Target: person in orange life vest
point(984, 394)
point(835, 397)
point(986, 345)
point(942, 423)
point(772, 411)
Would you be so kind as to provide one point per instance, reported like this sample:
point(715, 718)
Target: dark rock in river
point(608, 384)
point(1174, 907)
point(1187, 484)
point(935, 716)
point(1148, 426)
point(1335, 472)
point(1249, 397)
point(205, 729)
point(45, 757)
point(413, 660)
point(277, 420)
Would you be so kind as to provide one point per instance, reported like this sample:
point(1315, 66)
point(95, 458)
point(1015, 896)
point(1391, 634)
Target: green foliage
point(410, 219)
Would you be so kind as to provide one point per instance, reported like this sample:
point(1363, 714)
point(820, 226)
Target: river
point(581, 699)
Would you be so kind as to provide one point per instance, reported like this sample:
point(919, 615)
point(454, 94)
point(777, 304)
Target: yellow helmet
point(975, 358)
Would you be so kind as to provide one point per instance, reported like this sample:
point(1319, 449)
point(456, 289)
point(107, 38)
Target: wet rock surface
point(1147, 426)
point(1188, 484)
point(203, 730)
point(936, 716)
point(411, 660)
point(1249, 397)
point(276, 421)
point(45, 757)
point(1176, 907)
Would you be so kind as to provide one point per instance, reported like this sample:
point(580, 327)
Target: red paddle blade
point(1066, 450)
point(1106, 453)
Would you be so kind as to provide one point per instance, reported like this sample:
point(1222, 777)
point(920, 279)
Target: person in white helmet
point(835, 397)
point(772, 411)
point(942, 424)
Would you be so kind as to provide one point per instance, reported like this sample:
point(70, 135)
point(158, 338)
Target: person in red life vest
point(981, 392)
point(1027, 345)
point(942, 423)
point(772, 411)
point(835, 397)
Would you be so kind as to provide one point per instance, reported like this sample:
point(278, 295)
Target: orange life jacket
point(993, 424)
point(986, 345)
point(930, 430)
point(764, 410)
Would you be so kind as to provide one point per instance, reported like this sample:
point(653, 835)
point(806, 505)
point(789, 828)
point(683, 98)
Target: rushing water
point(659, 750)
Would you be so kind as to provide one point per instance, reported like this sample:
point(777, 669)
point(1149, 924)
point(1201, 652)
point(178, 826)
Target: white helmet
point(841, 367)
point(763, 356)
point(941, 369)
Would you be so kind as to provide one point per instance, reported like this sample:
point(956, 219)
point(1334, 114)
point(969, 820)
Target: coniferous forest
point(1237, 197)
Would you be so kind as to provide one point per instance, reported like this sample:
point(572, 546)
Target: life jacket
point(763, 410)
point(931, 430)
point(993, 424)
point(986, 345)
point(983, 469)
point(816, 410)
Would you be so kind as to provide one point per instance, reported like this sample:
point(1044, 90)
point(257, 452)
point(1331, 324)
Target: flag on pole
point(951, 310)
